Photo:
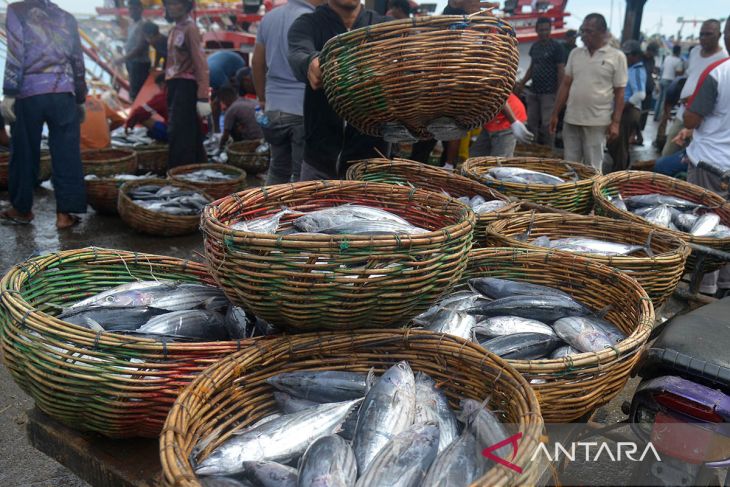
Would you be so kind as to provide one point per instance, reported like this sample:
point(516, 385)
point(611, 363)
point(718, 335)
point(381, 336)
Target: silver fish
point(545, 308)
point(432, 405)
point(321, 386)
point(457, 323)
point(322, 220)
point(618, 202)
point(103, 297)
point(404, 460)
point(328, 462)
point(685, 221)
point(237, 323)
point(655, 199)
point(205, 175)
point(489, 207)
point(267, 474)
point(268, 224)
point(594, 246)
point(485, 426)
point(612, 331)
point(526, 174)
point(563, 351)
point(582, 334)
point(508, 325)
point(278, 440)
point(112, 318)
point(477, 200)
point(522, 346)
point(290, 404)
point(541, 241)
point(459, 464)
point(389, 408)
point(705, 225)
point(195, 324)
point(660, 216)
point(455, 302)
point(495, 288)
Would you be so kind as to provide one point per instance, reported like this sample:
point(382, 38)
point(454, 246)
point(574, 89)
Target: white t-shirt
point(695, 66)
point(669, 67)
point(711, 140)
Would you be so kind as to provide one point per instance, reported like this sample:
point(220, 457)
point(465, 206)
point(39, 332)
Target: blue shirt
point(283, 92)
point(223, 66)
point(636, 82)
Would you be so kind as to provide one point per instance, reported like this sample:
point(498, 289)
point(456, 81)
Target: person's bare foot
point(66, 220)
point(16, 217)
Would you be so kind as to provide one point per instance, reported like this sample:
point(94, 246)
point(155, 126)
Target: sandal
point(9, 218)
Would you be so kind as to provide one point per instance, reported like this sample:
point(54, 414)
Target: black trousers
point(184, 131)
point(138, 73)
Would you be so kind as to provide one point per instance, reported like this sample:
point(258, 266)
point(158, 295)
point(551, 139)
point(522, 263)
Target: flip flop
point(75, 220)
point(8, 219)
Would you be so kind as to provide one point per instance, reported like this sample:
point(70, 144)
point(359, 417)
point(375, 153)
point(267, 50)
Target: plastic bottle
point(261, 117)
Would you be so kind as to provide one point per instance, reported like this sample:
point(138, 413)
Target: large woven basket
point(411, 72)
point(243, 155)
point(44, 171)
point(658, 274)
point(217, 189)
point(572, 387)
point(153, 222)
point(337, 282)
point(630, 183)
point(109, 162)
point(233, 394)
point(103, 193)
point(417, 175)
point(118, 385)
point(573, 196)
point(152, 158)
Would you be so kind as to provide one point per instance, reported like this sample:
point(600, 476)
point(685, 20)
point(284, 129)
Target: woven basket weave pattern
point(102, 194)
point(152, 158)
point(244, 156)
point(109, 162)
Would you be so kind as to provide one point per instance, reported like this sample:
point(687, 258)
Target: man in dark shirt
point(571, 36)
point(158, 41)
point(546, 71)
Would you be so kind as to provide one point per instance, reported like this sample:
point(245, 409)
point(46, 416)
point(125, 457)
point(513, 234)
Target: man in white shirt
point(672, 67)
point(699, 60)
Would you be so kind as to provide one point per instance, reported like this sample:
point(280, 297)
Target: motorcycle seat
point(696, 344)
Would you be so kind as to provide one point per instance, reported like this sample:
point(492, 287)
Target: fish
point(279, 440)
point(328, 462)
point(612, 331)
point(594, 246)
point(113, 318)
point(541, 241)
point(404, 460)
point(526, 174)
point(457, 323)
point(359, 227)
point(618, 202)
point(432, 405)
point(685, 221)
point(488, 207)
point(388, 408)
point(264, 328)
point(268, 224)
point(290, 404)
point(508, 325)
point(655, 199)
point(485, 426)
point(582, 334)
point(545, 308)
point(267, 474)
point(237, 323)
point(168, 199)
point(321, 386)
point(522, 346)
point(320, 221)
point(194, 324)
point(495, 288)
point(459, 464)
point(705, 225)
point(660, 216)
point(563, 351)
point(455, 302)
point(206, 175)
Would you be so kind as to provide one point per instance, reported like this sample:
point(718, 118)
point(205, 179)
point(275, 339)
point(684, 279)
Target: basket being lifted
point(421, 78)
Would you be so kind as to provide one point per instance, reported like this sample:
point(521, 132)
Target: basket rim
point(469, 169)
point(126, 200)
point(174, 172)
point(125, 153)
point(233, 146)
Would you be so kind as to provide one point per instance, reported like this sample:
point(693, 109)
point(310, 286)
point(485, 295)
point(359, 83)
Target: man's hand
point(521, 133)
point(314, 74)
point(682, 136)
point(553, 127)
point(204, 109)
point(612, 132)
point(8, 109)
point(262, 104)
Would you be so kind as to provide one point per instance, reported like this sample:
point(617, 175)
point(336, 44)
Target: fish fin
point(604, 311)
point(370, 380)
point(647, 247)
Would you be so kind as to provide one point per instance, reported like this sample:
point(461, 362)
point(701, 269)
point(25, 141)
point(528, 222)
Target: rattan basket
point(103, 193)
point(630, 183)
point(658, 274)
point(216, 189)
point(118, 385)
point(44, 170)
point(411, 72)
point(243, 155)
point(109, 162)
point(152, 158)
point(153, 222)
point(338, 282)
point(232, 394)
point(572, 387)
point(573, 196)
point(417, 175)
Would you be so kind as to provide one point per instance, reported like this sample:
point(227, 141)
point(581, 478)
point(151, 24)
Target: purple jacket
point(44, 51)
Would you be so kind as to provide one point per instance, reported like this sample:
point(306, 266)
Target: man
point(593, 86)
point(634, 95)
point(672, 67)
point(280, 94)
point(222, 68)
point(649, 60)
point(497, 138)
point(399, 9)
point(137, 57)
point(671, 99)
point(100, 120)
point(239, 122)
point(44, 83)
point(329, 143)
point(571, 36)
point(144, 114)
point(699, 60)
point(547, 68)
point(157, 41)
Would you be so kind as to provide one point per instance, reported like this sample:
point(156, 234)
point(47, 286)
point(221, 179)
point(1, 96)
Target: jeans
point(60, 112)
point(285, 135)
point(584, 144)
point(539, 111)
point(138, 72)
point(184, 130)
point(671, 165)
point(495, 144)
point(659, 105)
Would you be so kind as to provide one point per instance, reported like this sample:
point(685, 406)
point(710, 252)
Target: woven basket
point(573, 196)
point(152, 158)
point(337, 282)
point(118, 385)
point(572, 387)
point(232, 394)
point(630, 183)
point(103, 193)
point(243, 155)
point(109, 162)
point(411, 72)
point(44, 171)
point(415, 174)
point(217, 189)
point(658, 275)
point(153, 222)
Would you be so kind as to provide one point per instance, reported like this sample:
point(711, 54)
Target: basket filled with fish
point(486, 202)
point(161, 207)
point(560, 184)
point(694, 214)
point(152, 158)
point(653, 257)
point(103, 340)
point(102, 193)
point(384, 408)
point(250, 155)
point(336, 255)
point(107, 162)
point(218, 180)
point(573, 327)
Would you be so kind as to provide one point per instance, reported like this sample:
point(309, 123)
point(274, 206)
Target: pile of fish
point(168, 199)
point(674, 213)
point(133, 138)
point(480, 206)
point(120, 177)
point(165, 309)
point(587, 245)
point(336, 220)
point(340, 428)
point(524, 176)
point(520, 320)
point(206, 176)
